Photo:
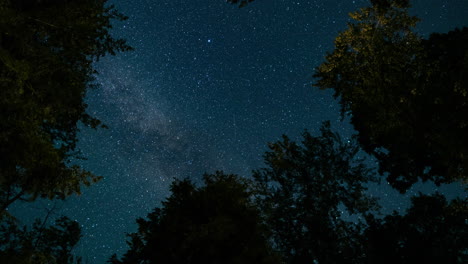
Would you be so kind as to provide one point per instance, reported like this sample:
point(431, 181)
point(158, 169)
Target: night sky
point(206, 88)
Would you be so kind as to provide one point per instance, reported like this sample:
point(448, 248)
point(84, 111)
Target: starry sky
point(206, 88)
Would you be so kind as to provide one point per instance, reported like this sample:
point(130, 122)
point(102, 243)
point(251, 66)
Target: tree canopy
point(293, 212)
point(407, 96)
point(432, 231)
point(40, 244)
point(304, 191)
point(47, 48)
point(215, 223)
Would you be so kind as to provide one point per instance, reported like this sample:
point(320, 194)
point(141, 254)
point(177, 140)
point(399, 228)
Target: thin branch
point(46, 218)
point(43, 22)
point(8, 202)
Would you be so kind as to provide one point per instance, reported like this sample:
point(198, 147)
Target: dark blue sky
point(206, 88)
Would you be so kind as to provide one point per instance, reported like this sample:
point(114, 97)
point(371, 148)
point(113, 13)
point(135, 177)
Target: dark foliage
point(407, 97)
point(40, 244)
point(432, 231)
point(216, 223)
point(303, 192)
point(47, 48)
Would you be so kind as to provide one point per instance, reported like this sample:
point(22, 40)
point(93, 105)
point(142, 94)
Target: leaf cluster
point(46, 53)
point(39, 244)
point(406, 95)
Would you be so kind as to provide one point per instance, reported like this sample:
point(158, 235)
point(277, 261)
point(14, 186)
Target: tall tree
point(407, 96)
point(305, 189)
point(40, 244)
point(47, 48)
point(215, 223)
point(432, 231)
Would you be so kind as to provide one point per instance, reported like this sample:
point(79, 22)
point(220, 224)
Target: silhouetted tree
point(215, 223)
point(407, 97)
point(39, 244)
point(47, 48)
point(304, 191)
point(432, 231)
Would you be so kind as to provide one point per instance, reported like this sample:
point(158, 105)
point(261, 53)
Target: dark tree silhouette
point(432, 231)
point(304, 191)
point(47, 48)
point(215, 223)
point(407, 96)
point(40, 244)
